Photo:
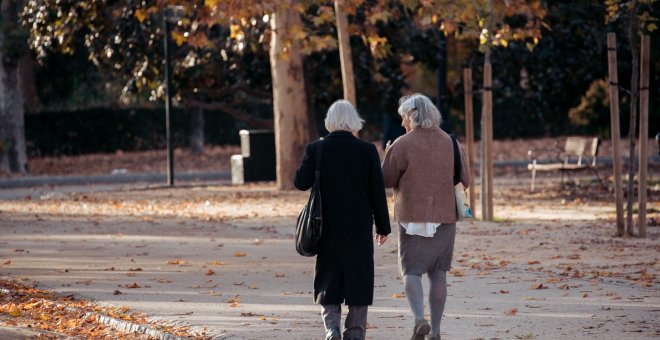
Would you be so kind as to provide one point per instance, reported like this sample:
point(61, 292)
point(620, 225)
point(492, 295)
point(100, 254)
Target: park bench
point(579, 153)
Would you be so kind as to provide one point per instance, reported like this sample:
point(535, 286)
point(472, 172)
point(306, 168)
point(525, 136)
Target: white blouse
point(425, 229)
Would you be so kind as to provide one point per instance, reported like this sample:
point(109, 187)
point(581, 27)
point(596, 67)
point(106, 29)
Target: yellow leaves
point(399, 295)
point(44, 310)
point(483, 37)
point(325, 14)
point(14, 312)
point(235, 32)
point(211, 3)
point(380, 16)
point(320, 43)
point(140, 15)
point(178, 38)
point(378, 46)
point(239, 254)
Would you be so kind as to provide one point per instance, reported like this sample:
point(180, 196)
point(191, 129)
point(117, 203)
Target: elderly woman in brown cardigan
point(419, 166)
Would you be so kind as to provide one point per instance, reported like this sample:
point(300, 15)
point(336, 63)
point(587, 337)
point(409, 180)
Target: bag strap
point(457, 161)
point(317, 172)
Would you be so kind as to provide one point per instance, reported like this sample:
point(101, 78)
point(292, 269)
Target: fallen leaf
point(186, 313)
point(179, 262)
point(457, 272)
point(133, 285)
point(399, 295)
point(533, 262)
point(234, 302)
point(512, 312)
point(249, 314)
point(239, 254)
point(210, 272)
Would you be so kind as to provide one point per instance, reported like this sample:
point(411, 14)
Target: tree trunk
point(289, 100)
point(643, 133)
point(487, 142)
point(28, 83)
point(441, 89)
point(616, 131)
point(634, 93)
point(197, 130)
point(13, 154)
point(345, 59)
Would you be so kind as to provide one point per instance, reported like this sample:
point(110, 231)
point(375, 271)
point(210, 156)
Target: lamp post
point(172, 14)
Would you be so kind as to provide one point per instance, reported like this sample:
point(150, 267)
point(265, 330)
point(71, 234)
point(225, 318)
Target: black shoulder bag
point(309, 225)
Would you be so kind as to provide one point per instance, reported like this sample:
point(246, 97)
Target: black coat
point(353, 198)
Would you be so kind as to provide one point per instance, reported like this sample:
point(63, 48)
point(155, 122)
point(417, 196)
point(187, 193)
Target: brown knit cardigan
point(419, 166)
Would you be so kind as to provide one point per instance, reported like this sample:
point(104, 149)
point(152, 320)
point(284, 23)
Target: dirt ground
point(217, 158)
point(221, 260)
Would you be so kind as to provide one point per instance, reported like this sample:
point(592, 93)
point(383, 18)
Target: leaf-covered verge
point(22, 305)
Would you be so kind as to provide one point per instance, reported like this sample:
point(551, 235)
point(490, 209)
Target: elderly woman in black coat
point(353, 199)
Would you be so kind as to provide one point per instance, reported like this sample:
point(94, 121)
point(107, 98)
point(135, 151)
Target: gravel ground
point(221, 259)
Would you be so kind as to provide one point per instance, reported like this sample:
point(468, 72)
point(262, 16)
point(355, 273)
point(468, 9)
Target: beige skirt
point(419, 255)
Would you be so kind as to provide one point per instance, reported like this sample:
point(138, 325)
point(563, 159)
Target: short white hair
point(421, 111)
point(342, 116)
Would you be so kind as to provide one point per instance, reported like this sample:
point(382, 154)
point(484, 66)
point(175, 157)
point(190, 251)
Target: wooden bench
point(579, 153)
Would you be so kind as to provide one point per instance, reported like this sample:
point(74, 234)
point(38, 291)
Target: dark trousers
point(355, 326)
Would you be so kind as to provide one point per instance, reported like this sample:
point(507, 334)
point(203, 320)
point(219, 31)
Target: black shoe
point(333, 334)
point(421, 329)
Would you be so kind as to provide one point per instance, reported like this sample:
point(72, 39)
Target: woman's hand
point(380, 239)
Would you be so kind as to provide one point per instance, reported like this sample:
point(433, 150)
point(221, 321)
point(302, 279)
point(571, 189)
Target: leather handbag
point(463, 210)
point(310, 223)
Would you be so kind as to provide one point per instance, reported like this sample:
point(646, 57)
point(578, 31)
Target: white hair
point(421, 111)
point(342, 116)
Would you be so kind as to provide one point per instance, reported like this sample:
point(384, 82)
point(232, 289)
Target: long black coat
point(353, 198)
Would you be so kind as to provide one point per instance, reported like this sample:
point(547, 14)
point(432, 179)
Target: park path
point(221, 259)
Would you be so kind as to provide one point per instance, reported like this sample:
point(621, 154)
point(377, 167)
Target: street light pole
point(168, 100)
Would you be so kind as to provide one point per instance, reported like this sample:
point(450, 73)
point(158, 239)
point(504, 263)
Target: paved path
point(221, 259)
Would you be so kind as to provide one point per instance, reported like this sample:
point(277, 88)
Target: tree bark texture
point(289, 99)
point(13, 153)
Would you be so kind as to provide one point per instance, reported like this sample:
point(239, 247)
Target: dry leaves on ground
point(39, 309)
